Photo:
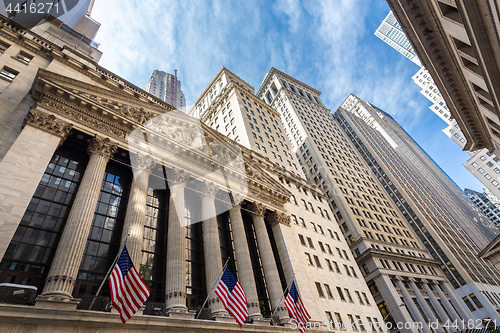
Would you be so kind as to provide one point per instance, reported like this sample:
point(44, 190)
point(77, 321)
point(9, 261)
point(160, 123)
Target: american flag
point(294, 304)
point(128, 291)
point(233, 296)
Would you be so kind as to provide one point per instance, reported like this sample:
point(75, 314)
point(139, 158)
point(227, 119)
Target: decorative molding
point(279, 218)
point(47, 123)
point(91, 121)
point(257, 208)
point(177, 177)
point(208, 188)
point(101, 146)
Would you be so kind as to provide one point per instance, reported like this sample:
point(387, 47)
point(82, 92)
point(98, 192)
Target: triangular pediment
point(138, 126)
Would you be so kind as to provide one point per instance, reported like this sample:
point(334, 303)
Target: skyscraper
point(392, 259)
point(457, 42)
point(487, 202)
point(331, 283)
point(433, 206)
point(167, 87)
point(390, 32)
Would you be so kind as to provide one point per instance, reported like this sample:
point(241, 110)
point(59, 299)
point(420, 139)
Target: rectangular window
point(358, 295)
point(314, 227)
point(302, 240)
point(352, 323)
point(476, 301)
point(311, 244)
point(309, 260)
point(8, 74)
point(341, 294)
point(294, 219)
point(320, 290)
point(366, 299)
point(360, 323)
point(339, 324)
point(469, 304)
point(316, 260)
point(348, 294)
point(3, 46)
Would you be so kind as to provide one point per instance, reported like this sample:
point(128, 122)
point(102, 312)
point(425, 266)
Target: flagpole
point(216, 282)
point(282, 296)
point(109, 271)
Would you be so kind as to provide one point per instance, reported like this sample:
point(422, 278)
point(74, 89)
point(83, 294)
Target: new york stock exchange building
point(89, 163)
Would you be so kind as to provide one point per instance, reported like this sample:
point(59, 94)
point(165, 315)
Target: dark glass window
point(152, 266)
point(31, 250)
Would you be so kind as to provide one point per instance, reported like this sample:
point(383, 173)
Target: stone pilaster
point(271, 275)
point(449, 308)
point(389, 294)
point(63, 272)
point(455, 301)
point(176, 243)
point(417, 316)
point(435, 304)
point(133, 226)
point(243, 260)
point(424, 305)
point(211, 242)
point(23, 166)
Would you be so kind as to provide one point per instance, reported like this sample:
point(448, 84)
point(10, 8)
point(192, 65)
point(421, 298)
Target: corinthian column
point(133, 226)
point(271, 275)
point(211, 242)
point(63, 272)
point(176, 243)
point(243, 261)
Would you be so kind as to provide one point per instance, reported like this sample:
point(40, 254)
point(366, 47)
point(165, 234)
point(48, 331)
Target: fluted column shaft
point(176, 244)
point(412, 307)
point(64, 270)
point(449, 308)
point(245, 270)
point(456, 303)
point(211, 243)
point(424, 306)
point(271, 274)
point(135, 217)
point(439, 309)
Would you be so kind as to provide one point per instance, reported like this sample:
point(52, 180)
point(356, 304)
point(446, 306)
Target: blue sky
point(328, 44)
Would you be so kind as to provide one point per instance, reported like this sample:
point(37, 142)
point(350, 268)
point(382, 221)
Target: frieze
point(96, 124)
point(47, 123)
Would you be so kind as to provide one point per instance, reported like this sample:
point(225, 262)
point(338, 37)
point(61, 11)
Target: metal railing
point(17, 294)
point(95, 303)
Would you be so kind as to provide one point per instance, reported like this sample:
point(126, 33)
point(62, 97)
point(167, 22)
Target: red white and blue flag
point(233, 296)
point(128, 291)
point(294, 304)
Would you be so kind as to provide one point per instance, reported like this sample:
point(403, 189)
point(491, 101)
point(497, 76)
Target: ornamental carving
point(207, 188)
point(47, 123)
point(279, 218)
point(237, 199)
point(257, 208)
point(177, 176)
point(101, 146)
point(97, 124)
point(142, 162)
point(222, 154)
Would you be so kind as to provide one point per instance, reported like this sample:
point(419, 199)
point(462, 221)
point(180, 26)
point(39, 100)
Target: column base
point(55, 302)
point(224, 317)
point(261, 321)
point(180, 314)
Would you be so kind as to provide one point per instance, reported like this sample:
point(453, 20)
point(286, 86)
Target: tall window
point(152, 267)
point(31, 250)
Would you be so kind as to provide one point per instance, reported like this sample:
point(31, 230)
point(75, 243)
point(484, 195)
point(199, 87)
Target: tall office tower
point(390, 32)
point(331, 283)
point(393, 261)
point(457, 42)
point(487, 202)
point(441, 220)
point(166, 87)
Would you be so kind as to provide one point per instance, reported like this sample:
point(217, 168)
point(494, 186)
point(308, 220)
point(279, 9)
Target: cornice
point(424, 30)
point(277, 72)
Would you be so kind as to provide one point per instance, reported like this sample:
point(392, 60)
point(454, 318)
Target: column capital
point(410, 279)
point(177, 177)
point(398, 278)
point(101, 146)
point(47, 123)
point(279, 218)
point(257, 208)
point(237, 198)
point(425, 281)
point(208, 189)
point(142, 162)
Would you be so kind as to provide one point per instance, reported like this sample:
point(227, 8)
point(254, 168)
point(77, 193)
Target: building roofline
point(273, 70)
